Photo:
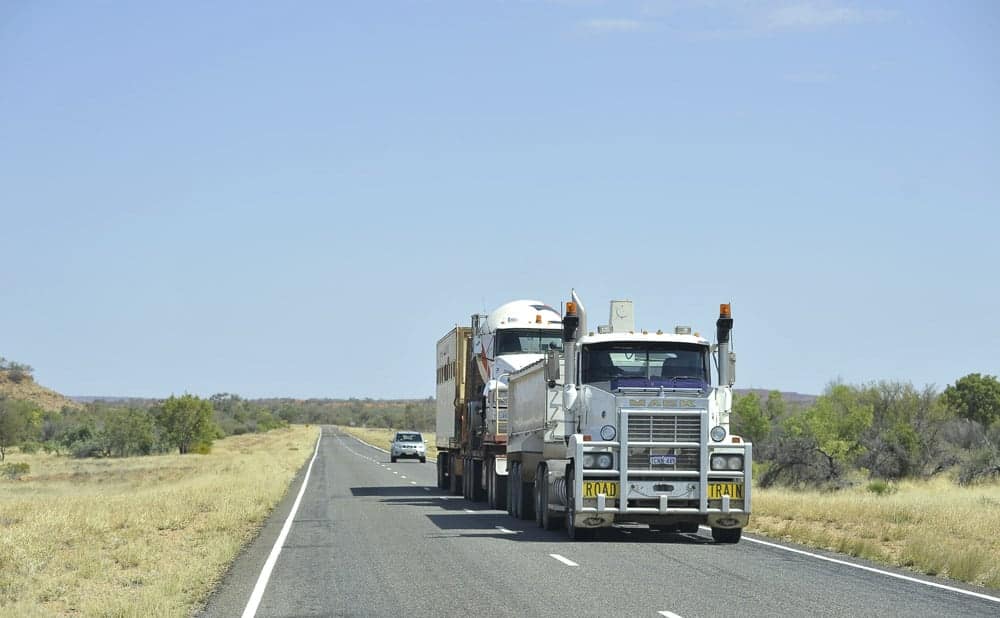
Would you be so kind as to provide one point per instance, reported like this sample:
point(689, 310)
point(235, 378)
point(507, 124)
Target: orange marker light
point(725, 311)
point(587, 437)
point(538, 318)
point(570, 308)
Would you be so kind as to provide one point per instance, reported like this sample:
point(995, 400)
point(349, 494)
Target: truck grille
point(664, 428)
point(686, 459)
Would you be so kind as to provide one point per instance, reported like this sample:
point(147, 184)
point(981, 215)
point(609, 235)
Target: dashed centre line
point(668, 614)
point(564, 560)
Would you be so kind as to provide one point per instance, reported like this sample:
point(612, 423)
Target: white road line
point(265, 573)
point(668, 614)
point(873, 570)
point(394, 472)
point(564, 560)
point(403, 477)
point(468, 510)
point(427, 488)
point(412, 482)
point(504, 530)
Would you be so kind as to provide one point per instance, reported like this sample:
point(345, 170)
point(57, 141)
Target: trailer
point(623, 426)
point(473, 365)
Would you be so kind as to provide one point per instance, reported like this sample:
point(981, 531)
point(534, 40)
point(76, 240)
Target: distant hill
point(27, 389)
point(797, 399)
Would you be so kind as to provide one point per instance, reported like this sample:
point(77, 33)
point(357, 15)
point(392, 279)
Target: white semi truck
point(473, 364)
point(625, 426)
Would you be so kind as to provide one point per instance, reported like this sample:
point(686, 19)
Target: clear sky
point(299, 199)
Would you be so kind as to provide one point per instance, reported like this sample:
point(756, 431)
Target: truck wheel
point(574, 533)
point(476, 481)
point(392, 459)
point(453, 478)
point(442, 476)
point(423, 460)
point(510, 483)
point(491, 486)
point(550, 520)
point(466, 469)
point(501, 491)
point(526, 502)
point(515, 495)
point(727, 535)
point(537, 495)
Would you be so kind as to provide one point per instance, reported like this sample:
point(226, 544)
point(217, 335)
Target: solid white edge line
point(504, 530)
point(265, 573)
point(874, 570)
point(564, 560)
point(668, 614)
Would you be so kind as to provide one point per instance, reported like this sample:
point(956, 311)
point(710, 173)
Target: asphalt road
point(372, 538)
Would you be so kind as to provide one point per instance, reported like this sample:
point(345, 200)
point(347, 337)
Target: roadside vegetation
point(137, 536)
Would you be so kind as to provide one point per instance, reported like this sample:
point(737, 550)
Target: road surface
point(371, 538)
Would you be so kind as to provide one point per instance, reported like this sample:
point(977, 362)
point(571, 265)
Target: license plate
point(592, 488)
point(662, 460)
point(716, 490)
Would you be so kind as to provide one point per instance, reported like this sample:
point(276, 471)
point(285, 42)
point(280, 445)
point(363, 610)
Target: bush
point(30, 447)
point(14, 471)
point(881, 487)
point(87, 448)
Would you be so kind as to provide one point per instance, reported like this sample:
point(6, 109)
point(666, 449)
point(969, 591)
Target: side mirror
point(552, 365)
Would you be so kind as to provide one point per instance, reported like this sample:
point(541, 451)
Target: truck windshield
point(527, 341)
point(646, 364)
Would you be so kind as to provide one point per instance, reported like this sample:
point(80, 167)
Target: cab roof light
point(725, 311)
point(570, 308)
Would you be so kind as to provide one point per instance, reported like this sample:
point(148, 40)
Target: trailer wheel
point(550, 520)
point(476, 481)
point(392, 459)
point(539, 501)
point(727, 535)
point(491, 486)
point(442, 470)
point(453, 478)
point(526, 500)
point(514, 482)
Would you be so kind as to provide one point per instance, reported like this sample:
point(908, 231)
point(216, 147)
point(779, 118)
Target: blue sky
point(298, 199)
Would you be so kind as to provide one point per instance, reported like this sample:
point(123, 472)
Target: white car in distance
point(408, 445)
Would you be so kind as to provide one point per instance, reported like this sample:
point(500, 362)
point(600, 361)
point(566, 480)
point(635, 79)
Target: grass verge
point(139, 536)
point(934, 527)
point(382, 438)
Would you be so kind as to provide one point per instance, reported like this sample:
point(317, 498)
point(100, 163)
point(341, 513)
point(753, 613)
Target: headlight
point(718, 433)
point(588, 461)
point(608, 433)
point(718, 462)
point(605, 461)
point(734, 462)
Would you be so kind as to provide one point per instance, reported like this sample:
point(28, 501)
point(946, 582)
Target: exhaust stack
point(727, 361)
point(574, 323)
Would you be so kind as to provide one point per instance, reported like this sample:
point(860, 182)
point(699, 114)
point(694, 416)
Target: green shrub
point(14, 471)
point(30, 447)
point(881, 487)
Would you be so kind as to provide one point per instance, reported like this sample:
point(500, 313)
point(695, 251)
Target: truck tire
point(526, 505)
point(574, 533)
point(540, 504)
point(465, 478)
point(476, 493)
point(442, 471)
point(727, 535)
point(423, 460)
point(392, 459)
point(454, 480)
point(510, 494)
point(515, 493)
point(491, 486)
point(550, 519)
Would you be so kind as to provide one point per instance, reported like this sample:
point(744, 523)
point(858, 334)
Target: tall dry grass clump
point(934, 527)
point(141, 536)
point(383, 437)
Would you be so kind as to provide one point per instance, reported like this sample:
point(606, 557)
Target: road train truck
point(624, 426)
point(473, 366)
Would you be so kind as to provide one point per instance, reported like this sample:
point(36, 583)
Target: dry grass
point(382, 438)
point(141, 536)
point(934, 527)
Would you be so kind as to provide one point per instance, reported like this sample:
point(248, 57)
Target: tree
point(749, 420)
point(128, 432)
point(186, 422)
point(775, 406)
point(975, 397)
point(18, 421)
